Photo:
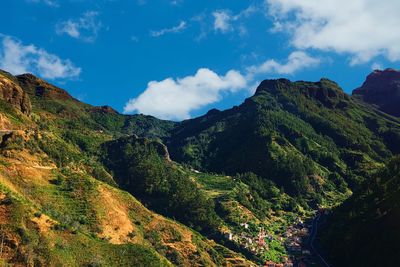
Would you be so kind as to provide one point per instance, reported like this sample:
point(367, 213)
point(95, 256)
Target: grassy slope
point(60, 206)
point(212, 204)
point(305, 148)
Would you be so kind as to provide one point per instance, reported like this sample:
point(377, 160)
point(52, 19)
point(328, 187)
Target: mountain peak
point(273, 85)
point(382, 88)
point(325, 91)
point(35, 86)
point(12, 93)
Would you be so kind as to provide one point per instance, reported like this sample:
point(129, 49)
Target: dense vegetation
point(364, 231)
point(290, 148)
point(59, 206)
point(311, 139)
point(139, 167)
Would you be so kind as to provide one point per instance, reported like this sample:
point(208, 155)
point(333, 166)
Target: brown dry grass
point(43, 223)
point(115, 222)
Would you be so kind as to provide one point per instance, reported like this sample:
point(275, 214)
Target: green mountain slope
point(364, 231)
point(59, 206)
point(311, 139)
point(56, 105)
point(141, 167)
point(209, 203)
point(78, 180)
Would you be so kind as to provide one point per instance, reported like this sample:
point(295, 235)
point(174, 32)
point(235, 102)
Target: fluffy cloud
point(296, 61)
point(176, 29)
point(362, 28)
point(175, 99)
point(18, 58)
point(84, 28)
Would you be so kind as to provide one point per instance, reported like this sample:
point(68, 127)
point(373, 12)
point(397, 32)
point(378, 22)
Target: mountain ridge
point(59, 206)
point(285, 151)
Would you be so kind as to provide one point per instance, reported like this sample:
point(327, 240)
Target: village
point(295, 239)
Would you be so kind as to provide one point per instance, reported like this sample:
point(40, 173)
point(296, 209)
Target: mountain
point(56, 103)
point(382, 89)
point(309, 138)
point(60, 206)
point(364, 230)
point(86, 186)
point(12, 93)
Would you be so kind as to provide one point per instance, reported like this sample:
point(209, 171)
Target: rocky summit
point(382, 89)
point(12, 93)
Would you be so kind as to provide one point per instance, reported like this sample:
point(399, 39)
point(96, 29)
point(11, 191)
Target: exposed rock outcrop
point(35, 86)
point(382, 88)
point(12, 93)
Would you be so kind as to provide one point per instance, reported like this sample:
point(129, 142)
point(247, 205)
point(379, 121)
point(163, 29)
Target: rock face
point(35, 86)
point(382, 88)
point(12, 93)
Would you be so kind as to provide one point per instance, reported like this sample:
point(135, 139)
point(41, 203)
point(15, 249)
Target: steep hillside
point(13, 94)
point(382, 89)
point(141, 167)
point(60, 207)
point(87, 186)
point(60, 110)
point(53, 216)
point(364, 231)
point(213, 204)
point(309, 138)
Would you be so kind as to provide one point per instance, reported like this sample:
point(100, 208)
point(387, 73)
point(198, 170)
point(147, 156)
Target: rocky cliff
point(12, 93)
point(382, 88)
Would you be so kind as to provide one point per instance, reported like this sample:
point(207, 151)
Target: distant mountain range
point(86, 186)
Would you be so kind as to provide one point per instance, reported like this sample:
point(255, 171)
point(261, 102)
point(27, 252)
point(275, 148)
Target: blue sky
point(196, 54)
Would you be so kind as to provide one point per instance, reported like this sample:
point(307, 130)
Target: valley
point(88, 186)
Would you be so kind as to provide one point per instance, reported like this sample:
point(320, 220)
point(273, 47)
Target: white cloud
point(85, 28)
point(362, 28)
point(245, 13)
point(296, 61)
point(176, 29)
point(18, 58)
point(175, 99)
point(376, 66)
point(200, 19)
point(52, 3)
point(222, 21)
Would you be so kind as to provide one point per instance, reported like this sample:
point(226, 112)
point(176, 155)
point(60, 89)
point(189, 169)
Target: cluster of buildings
point(287, 263)
point(256, 244)
point(294, 240)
